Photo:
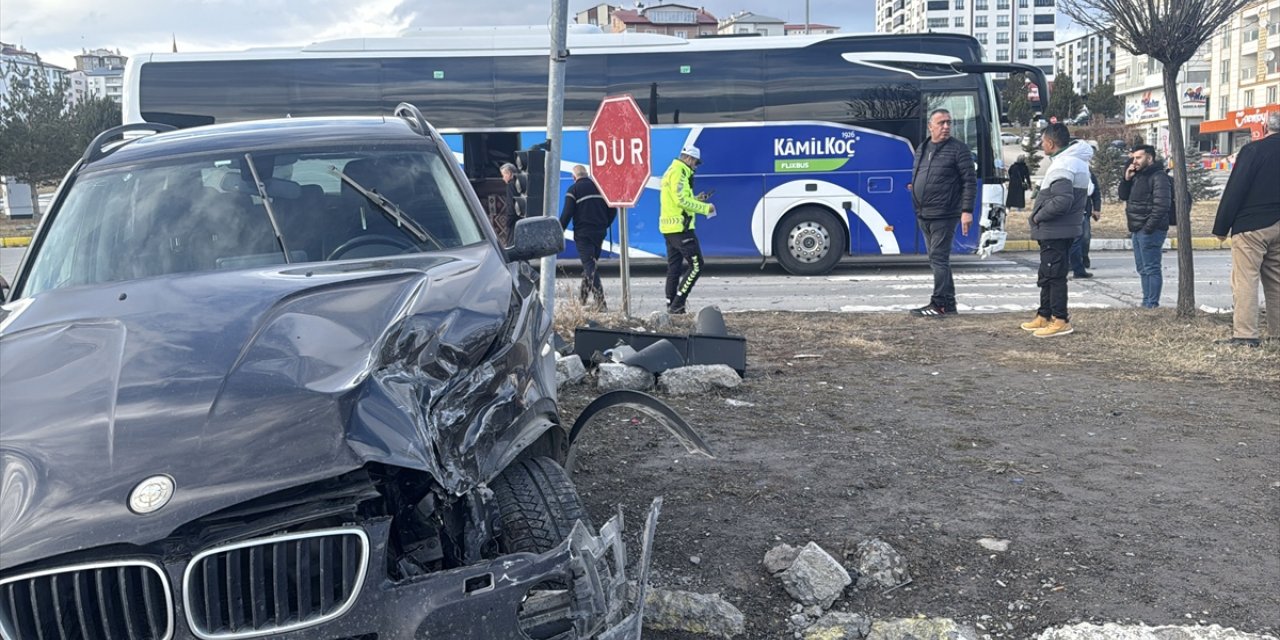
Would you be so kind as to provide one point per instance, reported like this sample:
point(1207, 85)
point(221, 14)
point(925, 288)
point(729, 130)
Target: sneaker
point(1082, 274)
point(676, 308)
point(930, 311)
point(1057, 327)
point(1240, 342)
point(1039, 323)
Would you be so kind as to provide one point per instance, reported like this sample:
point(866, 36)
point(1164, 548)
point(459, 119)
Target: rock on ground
point(878, 563)
point(839, 626)
point(569, 370)
point(779, 558)
point(611, 376)
point(815, 577)
point(698, 378)
point(1112, 631)
point(921, 629)
point(693, 612)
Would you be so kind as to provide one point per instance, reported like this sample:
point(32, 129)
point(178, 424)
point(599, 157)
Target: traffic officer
point(676, 222)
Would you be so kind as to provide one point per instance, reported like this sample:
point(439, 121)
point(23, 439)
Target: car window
point(206, 214)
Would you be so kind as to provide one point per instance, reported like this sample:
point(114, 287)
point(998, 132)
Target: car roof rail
point(411, 113)
point(97, 150)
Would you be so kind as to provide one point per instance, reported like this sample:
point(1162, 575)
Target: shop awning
point(1253, 120)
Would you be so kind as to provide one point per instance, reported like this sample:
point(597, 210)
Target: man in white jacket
point(1056, 220)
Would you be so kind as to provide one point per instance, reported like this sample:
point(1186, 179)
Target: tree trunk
point(35, 203)
point(1181, 196)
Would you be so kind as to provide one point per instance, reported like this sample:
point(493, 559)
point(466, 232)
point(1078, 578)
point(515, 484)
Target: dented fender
point(648, 405)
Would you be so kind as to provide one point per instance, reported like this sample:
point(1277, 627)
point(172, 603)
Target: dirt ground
point(1134, 467)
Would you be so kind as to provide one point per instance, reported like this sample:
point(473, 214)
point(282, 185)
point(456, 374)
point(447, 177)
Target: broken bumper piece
point(577, 590)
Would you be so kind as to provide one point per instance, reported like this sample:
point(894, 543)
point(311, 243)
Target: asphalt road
point(1006, 282)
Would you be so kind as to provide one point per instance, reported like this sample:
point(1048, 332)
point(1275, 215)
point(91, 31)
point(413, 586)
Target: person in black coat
point(1019, 183)
point(591, 217)
point(944, 188)
point(1250, 212)
point(1148, 195)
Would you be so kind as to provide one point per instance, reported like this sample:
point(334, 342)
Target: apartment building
point(812, 28)
point(1009, 30)
point(1140, 85)
point(1244, 77)
point(745, 22)
point(1089, 59)
point(16, 59)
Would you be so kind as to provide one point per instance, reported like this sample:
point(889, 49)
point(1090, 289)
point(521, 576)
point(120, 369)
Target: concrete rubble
point(1112, 631)
point(706, 614)
point(814, 577)
point(611, 376)
point(836, 625)
point(921, 629)
point(878, 564)
point(569, 370)
point(698, 378)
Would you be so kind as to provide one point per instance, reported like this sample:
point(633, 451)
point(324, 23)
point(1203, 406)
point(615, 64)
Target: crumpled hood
point(239, 384)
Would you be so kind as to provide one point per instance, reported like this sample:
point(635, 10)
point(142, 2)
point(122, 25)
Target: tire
point(810, 241)
point(537, 504)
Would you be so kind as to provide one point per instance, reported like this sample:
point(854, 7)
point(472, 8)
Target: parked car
point(1009, 138)
point(279, 379)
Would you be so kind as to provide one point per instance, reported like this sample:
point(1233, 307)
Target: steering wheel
point(370, 239)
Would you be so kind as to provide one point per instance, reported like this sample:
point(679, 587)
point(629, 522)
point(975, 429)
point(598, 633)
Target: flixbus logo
point(798, 154)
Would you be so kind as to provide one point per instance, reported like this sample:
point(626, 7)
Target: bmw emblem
point(151, 494)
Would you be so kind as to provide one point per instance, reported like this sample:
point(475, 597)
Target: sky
point(60, 29)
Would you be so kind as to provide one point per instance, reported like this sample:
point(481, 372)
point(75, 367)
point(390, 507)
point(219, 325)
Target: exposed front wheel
point(537, 504)
point(809, 241)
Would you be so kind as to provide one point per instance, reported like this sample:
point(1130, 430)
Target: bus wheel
point(809, 241)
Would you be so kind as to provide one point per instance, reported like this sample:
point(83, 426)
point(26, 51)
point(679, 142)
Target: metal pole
point(806, 17)
point(555, 127)
point(624, 263)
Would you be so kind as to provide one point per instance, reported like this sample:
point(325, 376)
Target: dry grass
point(1112, 224)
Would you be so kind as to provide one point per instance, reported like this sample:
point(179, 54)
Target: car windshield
point(206, 214)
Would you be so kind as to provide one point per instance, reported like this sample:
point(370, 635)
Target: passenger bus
point(807, 141)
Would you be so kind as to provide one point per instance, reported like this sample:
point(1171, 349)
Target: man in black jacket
point(1250, 212)
point(1080, 248)
point(591, 218)
point(943, 188)
point(1148, 194)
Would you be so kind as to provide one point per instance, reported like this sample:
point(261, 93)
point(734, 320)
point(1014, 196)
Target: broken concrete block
point(920, 629)
point(569, 370)
point(692, 612)
point(611, 376)
point(879, 565)
point(839, 626)
point(779, 558)
point(698, 378)
point(1113, 631)
point(815, 577)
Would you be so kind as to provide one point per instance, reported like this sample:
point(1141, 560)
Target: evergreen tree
point(1032, 150)
point(1199, 181)
point(1063, 101)
point(92, 116)
point(1103, 101)
point(1018, 108)
point(38, 142)
point(1108, 167)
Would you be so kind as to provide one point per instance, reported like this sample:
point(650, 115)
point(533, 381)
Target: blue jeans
point(1146, 256)
point(1080, 248)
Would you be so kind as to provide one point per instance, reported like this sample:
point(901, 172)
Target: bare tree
point(1169, 31)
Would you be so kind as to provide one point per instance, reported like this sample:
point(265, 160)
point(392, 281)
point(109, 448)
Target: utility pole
point(555, 128)
point(806, 17)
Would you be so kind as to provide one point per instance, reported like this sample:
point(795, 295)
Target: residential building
point(598, 15)
point(15, 59)
point(1140, 85)
point(1009, 30)
point(106, 83)
point(77, 86)
point(100, 59)
point(677, 20)
point(812, 28)
point(745, 22)
point(1089, 59)
point(1244, 76)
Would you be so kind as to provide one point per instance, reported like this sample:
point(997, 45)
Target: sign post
point(620, 166)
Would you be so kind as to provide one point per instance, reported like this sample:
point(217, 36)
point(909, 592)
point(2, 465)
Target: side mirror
point(535, 238)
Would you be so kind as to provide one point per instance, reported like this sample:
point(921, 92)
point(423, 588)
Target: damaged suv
point(279, 379)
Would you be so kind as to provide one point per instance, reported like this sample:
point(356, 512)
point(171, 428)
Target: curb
point(1121, 244)
point(15, 241)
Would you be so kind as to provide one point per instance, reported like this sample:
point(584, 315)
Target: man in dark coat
point(1080, 248)
point(1148, 195)
point(1250, 212)
point(1019, 183)
point(591, 217)
point(944, 187)
point(1056, 221)
point(505, 222)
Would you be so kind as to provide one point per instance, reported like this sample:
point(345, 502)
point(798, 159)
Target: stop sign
point(619, 141)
